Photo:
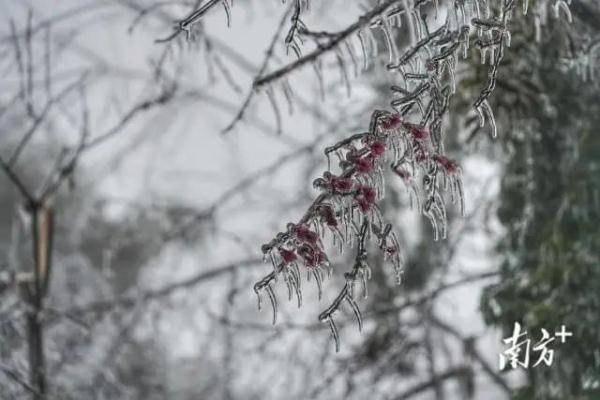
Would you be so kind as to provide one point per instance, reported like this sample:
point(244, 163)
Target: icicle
point(372, 43)
point(525, 6)
point(288, 283)
point(480, 116)
point(296, 285)
point(478, 13)
point(411, 25)
point(562, 5)
point(275, 107)
point(296, 272)
point(227, 12)
point(350, 51)
point(273, 300)
point(461, 7)
point(492, 54)
point(318, 280)
point(455, 14)
point(538, 28)
point(389, 37)
point(483, 55)
point(434, 225)
point(490, 117)
point(343, 72)
point(450, 68)
point(442, 216)
point(399, 273)
point(461, 196)
point(356, 310)
point(257, 291)
point(287, 91)
point(335, 333)
point(319, 72)
point(273, 263)
point(364, 50)
point(363, 277)
point(416, 14)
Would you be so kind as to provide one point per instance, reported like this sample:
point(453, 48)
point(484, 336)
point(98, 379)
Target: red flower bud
point(368, 193)
point(342, 184)
point(363, 204)
point(377, 148)
point(392, 122)
point(287, 256)
point(449, 166)
point(306, 235)
point(328, 215)
point(402, 173)
point(364, 165)
point(419, 132)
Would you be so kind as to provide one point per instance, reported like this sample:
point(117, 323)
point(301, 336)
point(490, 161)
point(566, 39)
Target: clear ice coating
point(410, 139)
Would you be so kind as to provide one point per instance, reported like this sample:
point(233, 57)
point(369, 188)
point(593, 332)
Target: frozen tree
point(441, 62)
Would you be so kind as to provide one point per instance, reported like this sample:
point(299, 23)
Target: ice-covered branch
point(185, 24)
point(333, 42)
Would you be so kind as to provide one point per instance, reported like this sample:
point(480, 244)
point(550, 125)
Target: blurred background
point(160, 196)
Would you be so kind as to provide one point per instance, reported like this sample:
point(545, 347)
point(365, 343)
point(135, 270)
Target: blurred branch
point(161, 99)
point(151, 294)
point(268, 55)
point(240, 186)
point(334, 41)
point(472, 351)
point(185, 24)
point(16, 181)
point(16, 376)
point(419, 388)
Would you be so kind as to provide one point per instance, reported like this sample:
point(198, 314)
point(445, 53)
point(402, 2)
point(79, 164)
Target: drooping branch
point(185, 24)
point(348, 200)
point(334, 40)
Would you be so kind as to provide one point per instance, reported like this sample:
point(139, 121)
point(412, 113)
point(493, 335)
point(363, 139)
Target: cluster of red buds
point(348, 205)
point(347, 209)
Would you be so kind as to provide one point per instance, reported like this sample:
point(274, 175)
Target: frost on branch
point(347, 210)
point(409, 141)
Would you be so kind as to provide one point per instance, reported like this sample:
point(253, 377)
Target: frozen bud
point(419, 132)
point(402, 173)
point(342, 184)
point(365, 198)
point(312, 257)
point(421, 155)
point(368, 193)
point(392, 122)
point(320, 258)
point(449, 166)
point(320, 183)
point(306, 235)
point(377, 148)
point(364, 165)
point(431, 65)
point(363, 204)
point(353, 155)
point(328, 215)
point(288, 256)
point(345, 164)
